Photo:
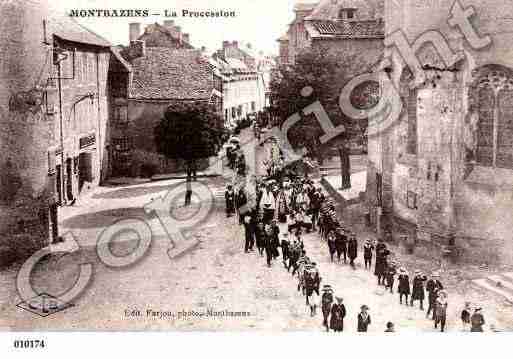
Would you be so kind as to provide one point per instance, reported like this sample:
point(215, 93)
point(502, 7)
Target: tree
point(319, 75)
point(189, 131)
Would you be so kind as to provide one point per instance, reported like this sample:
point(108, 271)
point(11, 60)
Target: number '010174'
point(29, 344)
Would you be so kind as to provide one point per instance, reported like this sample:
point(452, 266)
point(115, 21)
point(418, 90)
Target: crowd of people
point(289, 205)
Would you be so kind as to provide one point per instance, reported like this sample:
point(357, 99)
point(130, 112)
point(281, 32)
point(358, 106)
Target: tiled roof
point(347, 29)
point(165, 73)
point(116, 51)
point(69, 29)
point(366, 9)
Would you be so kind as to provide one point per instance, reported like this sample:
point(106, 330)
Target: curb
point(179, 176)
point(337, 196)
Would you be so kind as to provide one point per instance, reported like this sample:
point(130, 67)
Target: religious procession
point(287, 206)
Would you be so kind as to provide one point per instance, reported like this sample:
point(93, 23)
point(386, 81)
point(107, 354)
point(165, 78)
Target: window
point(411, 146)
point(85, 69)
point(234, 112)
point(346, 13)
point(494, 100)
point(120, 114)
point(411, 200)
point(122, 144)
point(218, 83)
point(253, 106)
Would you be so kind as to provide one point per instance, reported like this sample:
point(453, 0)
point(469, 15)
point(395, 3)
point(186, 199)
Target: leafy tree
point(325, 73)
point(189, 131)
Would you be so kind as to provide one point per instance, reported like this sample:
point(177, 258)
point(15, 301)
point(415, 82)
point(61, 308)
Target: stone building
point(354, 26)
point(79, 96)
point(166, 35)
point(443, 171)
point(144, 82)
point(52, 108)
point(244, 86)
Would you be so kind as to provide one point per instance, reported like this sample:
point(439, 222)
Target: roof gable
point(67, 28)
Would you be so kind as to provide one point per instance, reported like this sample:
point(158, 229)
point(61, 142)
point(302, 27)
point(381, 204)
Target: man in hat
point(249, 232)
point(477, 320)
point(440, 310)
point(368, 248)
point(352, 250)
point(276, 238)
point(404, 285)
point(390, 275)
point(381, 261)
point(338, 313)
point(285, 244)
point(241, 200)
point(433, 286)
point(465, 317)
point(260, 237)
point(341, 243)
point(326, 302)
point(331, 244)
point(315, 207)
point(364, 319)
point(229, 197)
point(418, 289)
point(268, 244)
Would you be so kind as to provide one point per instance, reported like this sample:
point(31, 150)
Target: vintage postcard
point(331, 166)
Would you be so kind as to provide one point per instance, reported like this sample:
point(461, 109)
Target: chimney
point(169, 24)
point(235, 44)
point(203, 49)
point(136, 49)
point(248, 45)
point(134, 31)
point(226, 44)
point(186, 37)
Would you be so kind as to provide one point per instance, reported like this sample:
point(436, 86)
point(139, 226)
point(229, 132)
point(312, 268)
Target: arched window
point(491, 95)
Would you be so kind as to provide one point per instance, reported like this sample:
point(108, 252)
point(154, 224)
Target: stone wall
point(453, 194)
point(25, 186)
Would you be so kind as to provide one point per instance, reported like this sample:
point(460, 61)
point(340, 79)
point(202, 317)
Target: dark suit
point(363, 323)
point(352, 250)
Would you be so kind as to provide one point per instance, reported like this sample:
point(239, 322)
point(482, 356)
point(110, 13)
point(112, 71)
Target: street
point(213, 277)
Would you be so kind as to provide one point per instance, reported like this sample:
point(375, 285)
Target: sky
point(259, 22)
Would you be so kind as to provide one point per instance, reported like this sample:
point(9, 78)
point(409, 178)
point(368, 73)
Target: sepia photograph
point(331, 167)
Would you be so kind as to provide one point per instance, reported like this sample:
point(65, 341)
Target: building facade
point(443, 172)
point(51, 138)
point(80, 100)
point(354, 27)
point(144, 82)
point(244, 82)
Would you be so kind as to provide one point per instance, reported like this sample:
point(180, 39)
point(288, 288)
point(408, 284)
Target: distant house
point(157, 35)
point(354, 26)
point(246, 78)
point(146, 82)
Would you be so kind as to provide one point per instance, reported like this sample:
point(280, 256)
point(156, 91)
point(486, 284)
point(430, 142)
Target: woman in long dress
point(338, 313)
